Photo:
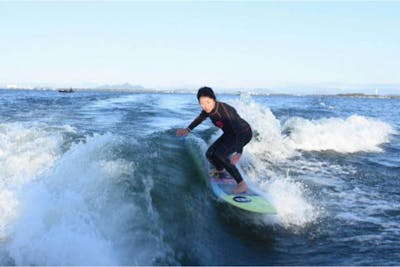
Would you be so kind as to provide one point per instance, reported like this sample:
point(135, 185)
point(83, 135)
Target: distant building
point(11, 86)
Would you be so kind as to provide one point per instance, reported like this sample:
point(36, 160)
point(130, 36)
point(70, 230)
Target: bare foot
point(241, 188)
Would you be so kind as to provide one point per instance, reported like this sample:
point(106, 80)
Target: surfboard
point(249, 201)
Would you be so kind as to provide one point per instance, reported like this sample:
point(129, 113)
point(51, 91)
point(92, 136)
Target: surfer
point(236, 134)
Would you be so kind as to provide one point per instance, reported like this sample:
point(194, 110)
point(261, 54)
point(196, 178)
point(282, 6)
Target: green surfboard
point(249, 200)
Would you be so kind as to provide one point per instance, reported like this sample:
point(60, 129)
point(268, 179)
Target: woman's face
point(207, 103)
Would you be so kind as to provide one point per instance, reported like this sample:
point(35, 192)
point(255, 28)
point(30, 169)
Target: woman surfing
point(236, 134)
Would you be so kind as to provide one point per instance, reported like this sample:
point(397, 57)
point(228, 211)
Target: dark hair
point(206, 91)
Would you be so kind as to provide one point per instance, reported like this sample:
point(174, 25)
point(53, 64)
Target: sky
point(260, 44)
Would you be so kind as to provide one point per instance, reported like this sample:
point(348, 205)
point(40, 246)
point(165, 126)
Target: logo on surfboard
point(242, 199)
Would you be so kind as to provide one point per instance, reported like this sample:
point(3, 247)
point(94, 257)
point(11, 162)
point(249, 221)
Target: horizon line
point(261, 91)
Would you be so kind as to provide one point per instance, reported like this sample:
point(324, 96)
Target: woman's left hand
point(235, 158)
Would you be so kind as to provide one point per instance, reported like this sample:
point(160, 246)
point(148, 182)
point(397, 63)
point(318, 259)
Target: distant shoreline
point(188, 91)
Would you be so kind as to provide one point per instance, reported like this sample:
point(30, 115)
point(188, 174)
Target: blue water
point(99, 178)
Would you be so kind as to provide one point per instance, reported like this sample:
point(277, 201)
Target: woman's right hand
point(182, 132)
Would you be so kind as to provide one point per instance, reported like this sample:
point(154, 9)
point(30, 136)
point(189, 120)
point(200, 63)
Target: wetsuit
point(237, 133)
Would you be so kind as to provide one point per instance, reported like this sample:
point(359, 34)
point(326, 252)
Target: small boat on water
point(66, 90)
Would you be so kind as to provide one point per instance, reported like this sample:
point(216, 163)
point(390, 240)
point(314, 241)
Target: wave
point(276, 148)
point(268, 142)
point(26, 150)
point(268, 149)
point(353, 134)
point(294, 209)
point(70, 208)
point(69, 198)
point(274, 142)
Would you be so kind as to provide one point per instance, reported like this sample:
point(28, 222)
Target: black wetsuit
point(237, 133)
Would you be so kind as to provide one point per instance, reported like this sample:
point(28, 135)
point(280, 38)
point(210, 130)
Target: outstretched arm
point(203, 115)
point(183, 132)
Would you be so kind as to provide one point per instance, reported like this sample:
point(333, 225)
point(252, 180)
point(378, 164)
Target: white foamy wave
point(8, 212)
point(56, 229)
point(268, 147)
point(268, 143)
point(293, 207)
point(274, 147)
point(56, 213)
point(354, 134)
point(26, 151)
point(71, 210)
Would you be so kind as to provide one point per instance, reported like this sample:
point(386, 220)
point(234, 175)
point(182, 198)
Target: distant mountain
point(124, 86)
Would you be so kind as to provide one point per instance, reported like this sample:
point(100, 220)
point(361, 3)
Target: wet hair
point(206, 91)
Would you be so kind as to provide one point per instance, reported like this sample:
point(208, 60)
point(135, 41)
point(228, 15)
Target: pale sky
point(178, 44)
